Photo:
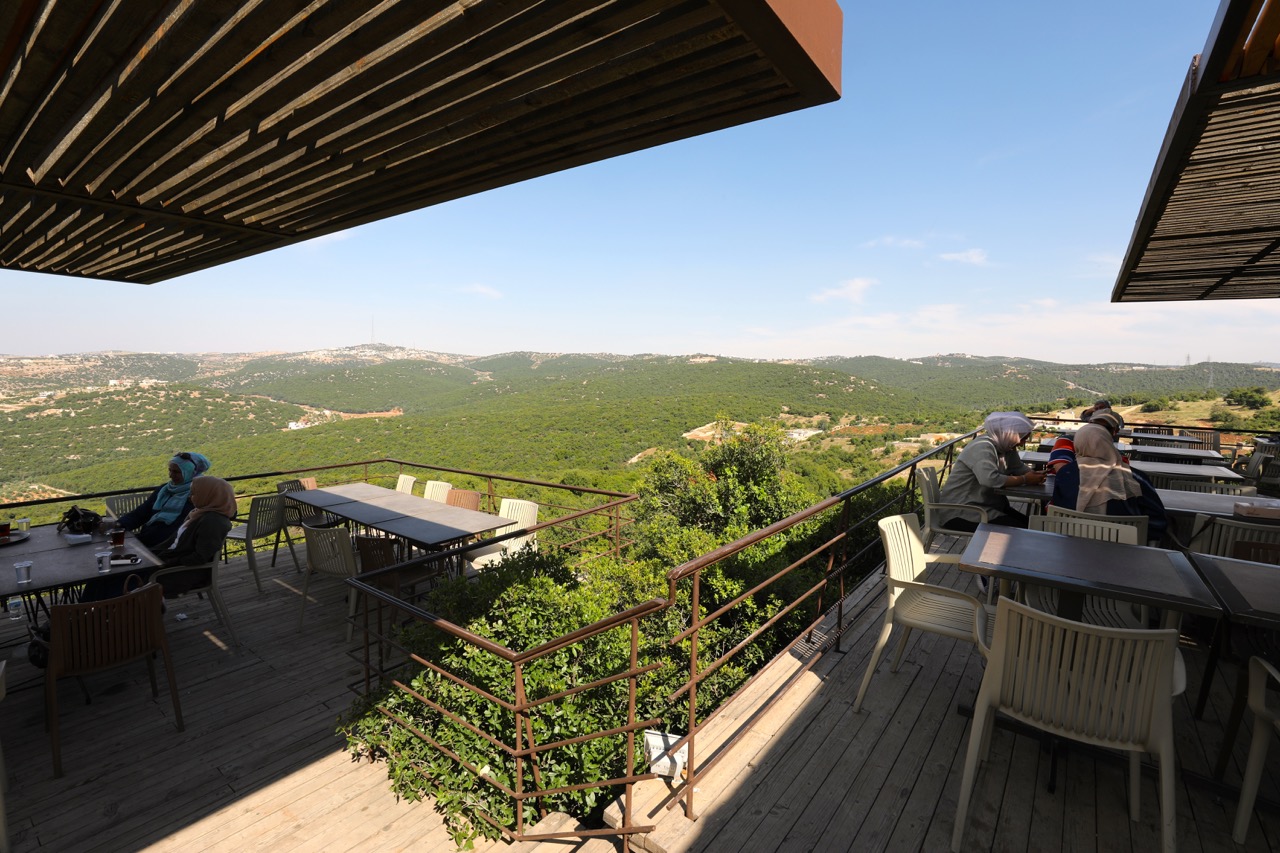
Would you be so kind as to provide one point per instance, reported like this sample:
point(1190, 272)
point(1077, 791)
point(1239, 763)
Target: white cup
point(23, 571)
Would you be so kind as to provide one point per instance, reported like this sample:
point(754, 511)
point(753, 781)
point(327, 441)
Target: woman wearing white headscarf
point(987, 463)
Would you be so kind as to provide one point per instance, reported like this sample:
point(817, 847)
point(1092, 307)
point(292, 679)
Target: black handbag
point(77, 520)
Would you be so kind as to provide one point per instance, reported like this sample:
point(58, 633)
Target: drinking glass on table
point(14, 606)
point(117, 537)
point(23, 571)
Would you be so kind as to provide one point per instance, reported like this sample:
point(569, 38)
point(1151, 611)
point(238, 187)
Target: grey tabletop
point(1250, 592)
point(1135, 573)
point(1147, 466)
point(1191, 503)
point(1173, 454)
point(55, 563)
point(420, 520)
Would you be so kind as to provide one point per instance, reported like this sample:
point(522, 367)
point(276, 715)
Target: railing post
point(631, 734)
point(691, 773)
point(518, 692)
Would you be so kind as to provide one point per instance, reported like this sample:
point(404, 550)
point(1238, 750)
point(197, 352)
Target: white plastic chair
point(329, 552)
point(1205, 487)
point(404, 483)
point(1103, 686)
point(1218, 536)
point(915, 604)
point(1140, 522)
point(1266, 722)
point(202, 578)
point(523, 514)
point(266, 518)
point(436, 490)
point(118, 505)
point(931, 502)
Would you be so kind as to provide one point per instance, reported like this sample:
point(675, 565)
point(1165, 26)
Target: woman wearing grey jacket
point(987, 463)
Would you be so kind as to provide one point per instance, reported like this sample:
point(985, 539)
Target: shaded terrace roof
point(145, 140)
point(1209, 227)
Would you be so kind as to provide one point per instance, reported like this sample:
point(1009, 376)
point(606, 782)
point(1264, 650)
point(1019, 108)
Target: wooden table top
point(1142, 575)
point(55, 564)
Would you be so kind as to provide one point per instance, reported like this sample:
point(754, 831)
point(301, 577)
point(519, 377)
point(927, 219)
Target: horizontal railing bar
point(475, 771)
point(619, 730)
point(609, 679)
point(604, 783)
point(430, 703)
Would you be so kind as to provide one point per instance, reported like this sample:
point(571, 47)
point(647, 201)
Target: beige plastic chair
point(931, 502)
point(1158, 481)
point(1098, 610)
point(914, 604)
point(1206, 488)
point(1266, 722)
point(1269, 479)
point(1140, 522)
point(523, 514)
point(1218, 536)
point(463, 498)
point(405, 484)
point(329, 552)
point(201, 579)
point(1108, 687)
point(118, 505)
point(266, 518)
point(436, 490)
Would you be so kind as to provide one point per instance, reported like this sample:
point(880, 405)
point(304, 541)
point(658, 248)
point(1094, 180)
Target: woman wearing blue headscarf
point(158, 519)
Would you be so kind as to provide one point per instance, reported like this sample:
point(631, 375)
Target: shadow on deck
point(259, 765)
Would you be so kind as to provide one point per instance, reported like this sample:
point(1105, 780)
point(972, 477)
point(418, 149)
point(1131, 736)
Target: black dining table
point(1077, 567)
point(1250, 596)
point(421, 521)
point(58, 566)
point(1038, 459)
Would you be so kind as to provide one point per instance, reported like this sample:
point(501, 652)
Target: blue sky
point(973, 191)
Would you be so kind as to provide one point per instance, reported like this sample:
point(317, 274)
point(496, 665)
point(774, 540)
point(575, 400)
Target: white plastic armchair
point(405, 482)
point(436, 490)
point(914, 604)
point(1218, 536)
point(523, 515)
point(1266, 722)
point(329, 552)
point(118, 505)
point(1107, 687)
point(931, 502)
point(1139, 522)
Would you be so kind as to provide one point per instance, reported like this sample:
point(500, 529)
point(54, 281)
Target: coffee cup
point(117, 537)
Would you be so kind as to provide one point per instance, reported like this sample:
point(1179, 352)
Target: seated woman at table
point(1099, 480)
point(987, 463)
point(165, 509)
point(199, 541)
point(1109, 421)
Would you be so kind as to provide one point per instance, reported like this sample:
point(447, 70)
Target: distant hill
point(100, 419)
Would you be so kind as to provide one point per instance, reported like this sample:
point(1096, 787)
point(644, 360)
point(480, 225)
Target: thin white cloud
point(483, 290)
point(894, 242)
point(852, 290)
point(977, 257)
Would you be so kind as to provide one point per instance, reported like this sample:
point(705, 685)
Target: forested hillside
point(998, 382)
point(575, 418)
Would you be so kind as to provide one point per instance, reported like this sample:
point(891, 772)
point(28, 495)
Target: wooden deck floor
point(260, 767)
point(815, 776)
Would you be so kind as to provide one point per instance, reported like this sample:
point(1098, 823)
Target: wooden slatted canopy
point(1209, 227)
point(142, 139)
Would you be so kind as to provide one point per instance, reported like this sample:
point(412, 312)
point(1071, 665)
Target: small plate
point(15, 536)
